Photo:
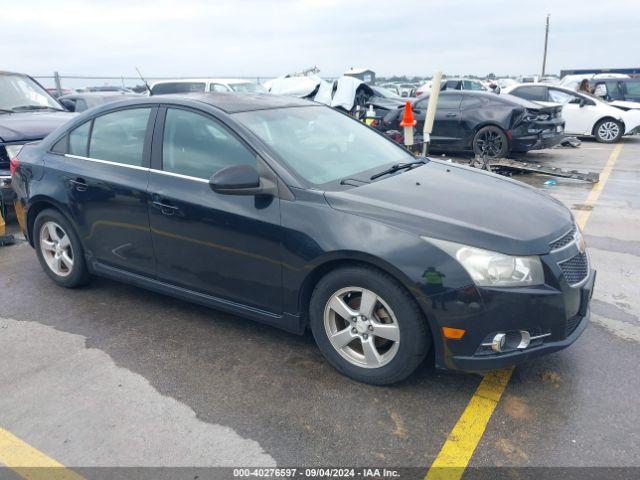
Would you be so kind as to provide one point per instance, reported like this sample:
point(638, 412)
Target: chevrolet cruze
point(295, 215)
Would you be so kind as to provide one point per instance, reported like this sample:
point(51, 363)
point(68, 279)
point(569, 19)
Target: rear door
point(106, 174)
point(226, 246)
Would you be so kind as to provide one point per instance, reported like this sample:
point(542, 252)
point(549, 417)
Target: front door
point(227, 246)
point(446, 126)
point(106, 175)
point(579, 119)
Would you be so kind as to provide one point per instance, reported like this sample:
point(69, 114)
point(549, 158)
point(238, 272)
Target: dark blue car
point(27, 113)
point(296, 215)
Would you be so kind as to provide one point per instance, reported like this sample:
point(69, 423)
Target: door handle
point(451, 115)
point(80, 184)
point(165, 208)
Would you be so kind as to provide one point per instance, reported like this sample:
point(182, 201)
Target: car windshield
point(19, 93)
point(321, 145)
point(248, 88)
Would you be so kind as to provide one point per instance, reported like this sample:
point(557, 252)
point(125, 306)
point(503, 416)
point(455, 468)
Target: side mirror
point(68, 104)
point(236, 180)
point(583, 102)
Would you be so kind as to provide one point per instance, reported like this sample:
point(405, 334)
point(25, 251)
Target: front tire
point(608, 130)
point(490, 141)
point(367, 326)
point(59, 249)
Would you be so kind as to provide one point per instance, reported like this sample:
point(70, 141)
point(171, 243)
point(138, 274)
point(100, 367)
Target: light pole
point(546, 41)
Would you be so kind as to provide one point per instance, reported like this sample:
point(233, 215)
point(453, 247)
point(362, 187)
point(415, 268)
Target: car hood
point(461, 204)
point(28, 126)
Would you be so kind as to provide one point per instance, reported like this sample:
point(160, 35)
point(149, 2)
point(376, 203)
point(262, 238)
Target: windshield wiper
point(34, 107)
point(397, 167)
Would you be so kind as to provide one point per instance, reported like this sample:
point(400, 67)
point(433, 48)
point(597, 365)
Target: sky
point(267, 38)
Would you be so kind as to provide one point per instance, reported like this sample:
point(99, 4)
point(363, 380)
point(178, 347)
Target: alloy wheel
point(361, 327)
point(609, 131)
point(490, 143)
point(56, 248)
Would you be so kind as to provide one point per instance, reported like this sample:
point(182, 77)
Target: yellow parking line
point(30, 463)
point(457, 450)
point(596, 190)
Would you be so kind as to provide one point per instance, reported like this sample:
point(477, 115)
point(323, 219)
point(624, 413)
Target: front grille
point(572, 324)
point(565, 240)
point(575, 269)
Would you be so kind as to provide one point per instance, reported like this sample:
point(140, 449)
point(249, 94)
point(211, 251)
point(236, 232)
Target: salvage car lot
point(168, 383)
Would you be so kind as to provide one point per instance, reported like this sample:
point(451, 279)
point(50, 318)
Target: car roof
point(227, 102)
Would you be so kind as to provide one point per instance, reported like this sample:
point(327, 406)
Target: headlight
point(13, 150)
point(493, 269)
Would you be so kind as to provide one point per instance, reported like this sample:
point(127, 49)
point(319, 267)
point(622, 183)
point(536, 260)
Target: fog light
point(507, 342)
point(498, 342)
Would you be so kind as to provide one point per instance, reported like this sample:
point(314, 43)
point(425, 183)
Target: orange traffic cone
point(408, 122)
point(407, 118)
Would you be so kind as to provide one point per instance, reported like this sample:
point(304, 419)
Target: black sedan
point(484, 123)
point(296, 215)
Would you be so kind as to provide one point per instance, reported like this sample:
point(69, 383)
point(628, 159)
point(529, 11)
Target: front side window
point(321, 145)
point(119, 136)
point(471, 85)
point(79, 139)
point(561, 97)
point(198, 146)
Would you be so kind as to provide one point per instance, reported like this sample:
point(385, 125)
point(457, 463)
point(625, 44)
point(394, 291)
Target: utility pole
point(546, 41)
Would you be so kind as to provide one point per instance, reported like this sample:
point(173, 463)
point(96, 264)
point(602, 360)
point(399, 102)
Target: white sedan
point(584, 115)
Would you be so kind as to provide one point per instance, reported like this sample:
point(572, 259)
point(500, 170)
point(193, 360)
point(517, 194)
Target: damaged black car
point(483, 123)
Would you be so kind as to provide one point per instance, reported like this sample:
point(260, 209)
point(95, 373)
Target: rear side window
point(198, 146)
point(119, 136)
point(531, 93)
point(79, 140)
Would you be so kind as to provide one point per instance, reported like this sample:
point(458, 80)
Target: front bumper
point(561, 313)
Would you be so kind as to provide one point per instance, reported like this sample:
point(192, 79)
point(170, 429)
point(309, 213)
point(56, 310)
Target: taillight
point(13, 165)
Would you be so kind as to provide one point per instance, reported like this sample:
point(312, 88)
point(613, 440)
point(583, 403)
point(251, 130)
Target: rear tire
point(490, 141)
point(380, 338)
point(608, 130)
point(59, 249)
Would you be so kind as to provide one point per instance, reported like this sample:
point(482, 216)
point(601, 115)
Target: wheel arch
point(346, 259)
point(608, 117)
point(37, 205)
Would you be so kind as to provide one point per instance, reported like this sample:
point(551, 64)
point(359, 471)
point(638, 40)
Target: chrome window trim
point(107, 162)
point(136, 167)
point(179, 175)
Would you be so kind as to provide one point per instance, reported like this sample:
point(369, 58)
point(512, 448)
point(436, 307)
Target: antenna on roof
point(143, 80)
